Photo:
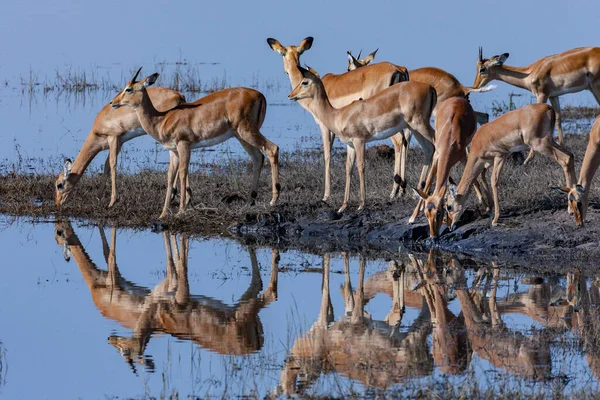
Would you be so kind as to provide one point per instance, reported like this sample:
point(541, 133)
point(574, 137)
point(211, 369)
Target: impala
point(454, 126)
point(403, 105)
point(111, 129)
point(547, 78)
point(445, 84)
point(236, 112)
point(578, 196)
point(530, 126)
point(342, 90)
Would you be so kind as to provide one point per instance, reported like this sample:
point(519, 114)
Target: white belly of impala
point(213, 141)
point(384, 134)
point(132, 134)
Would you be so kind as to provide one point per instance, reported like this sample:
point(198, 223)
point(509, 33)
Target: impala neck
point(516, 76)
point(472, 170)
point(321, 107)
point(149, 116)
point(88, 151)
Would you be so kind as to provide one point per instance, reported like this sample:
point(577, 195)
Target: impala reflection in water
point(169, 307)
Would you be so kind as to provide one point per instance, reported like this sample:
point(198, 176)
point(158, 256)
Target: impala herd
point(372, 101)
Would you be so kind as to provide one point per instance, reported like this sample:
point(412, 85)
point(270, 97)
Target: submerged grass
point(221, 190)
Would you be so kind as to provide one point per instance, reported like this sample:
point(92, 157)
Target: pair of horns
point(480, 54)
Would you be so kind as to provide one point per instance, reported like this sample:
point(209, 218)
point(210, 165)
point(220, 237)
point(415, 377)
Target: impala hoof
point(411, 220)
point(342, 209)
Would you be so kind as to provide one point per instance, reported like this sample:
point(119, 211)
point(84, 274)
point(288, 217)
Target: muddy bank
point(529, 238)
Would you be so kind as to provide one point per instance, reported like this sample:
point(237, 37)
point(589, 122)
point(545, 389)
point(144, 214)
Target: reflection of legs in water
point(394, 317)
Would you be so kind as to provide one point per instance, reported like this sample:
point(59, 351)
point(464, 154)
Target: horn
point(358, 56)
point(136, 75)
point(480, 54)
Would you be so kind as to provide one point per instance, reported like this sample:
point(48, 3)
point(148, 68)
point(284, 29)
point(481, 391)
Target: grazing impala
point(111, 129)
point(547, 78)
point(530, 126)
point(455, 126)
point(342, 90)
point(236, 112)
point(169, 307)
point(403, 105)
point(578, 196)
point(445, 84)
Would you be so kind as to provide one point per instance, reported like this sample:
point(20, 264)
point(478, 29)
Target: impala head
point(308, 86)
point(291, 54)
point(354, 63)
point(575, 197)
point(434, 210)
point(455, 206)
point(132, 351)
point(64, 185)
point(486, 68)
point(63, 231)
point(133, 93)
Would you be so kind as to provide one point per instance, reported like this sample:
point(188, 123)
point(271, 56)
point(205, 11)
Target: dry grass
point(220, 191)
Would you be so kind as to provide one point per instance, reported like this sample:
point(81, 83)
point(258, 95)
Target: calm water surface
point(135, 314)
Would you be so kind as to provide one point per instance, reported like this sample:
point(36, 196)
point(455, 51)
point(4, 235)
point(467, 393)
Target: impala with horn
point(235, 112)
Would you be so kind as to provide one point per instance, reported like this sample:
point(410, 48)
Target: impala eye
point(60, 186)
point(482, 70)
point(128, 90)
point(449, 208)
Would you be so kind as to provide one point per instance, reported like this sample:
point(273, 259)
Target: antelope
point(547, 78)
point(578, 196)
point(169, 307)
point(530, 126)
point(445, 84)
point(455, 126)
point(235, 112)
point(403, 105)
point(342, 90)
point(110, 130)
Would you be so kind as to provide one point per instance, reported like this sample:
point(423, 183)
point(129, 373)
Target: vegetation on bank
point(221, 190)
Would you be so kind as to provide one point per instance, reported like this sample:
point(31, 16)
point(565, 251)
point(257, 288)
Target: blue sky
point(443, 34)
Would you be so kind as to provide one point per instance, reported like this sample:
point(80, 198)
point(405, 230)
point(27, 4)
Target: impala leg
point(173, 165)
point(591, 162)
point(478, 189)
point(350, 158)
point(257, 163)
point(359, 303)
point(253, 136)
point(398, 140)
point(348, 292)
point(428, 149)
point(487, 190)
point(556, 105)
point(114, 146)
point(550, 148)
point(184, 151)
point(360, 159)
point(328, 138)
point(432, 173)
point(498, 164)
point(407, 136)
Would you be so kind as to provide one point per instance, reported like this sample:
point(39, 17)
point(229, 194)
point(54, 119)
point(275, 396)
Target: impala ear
point(370, 57)
point(420, 193)
point(351, 58)
point(312, 71)
point(149, 81)
point(305, 45)
point(67, 168)
point(561, 189)
point(503, 58)
point(276, 46)
point(498, 60)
